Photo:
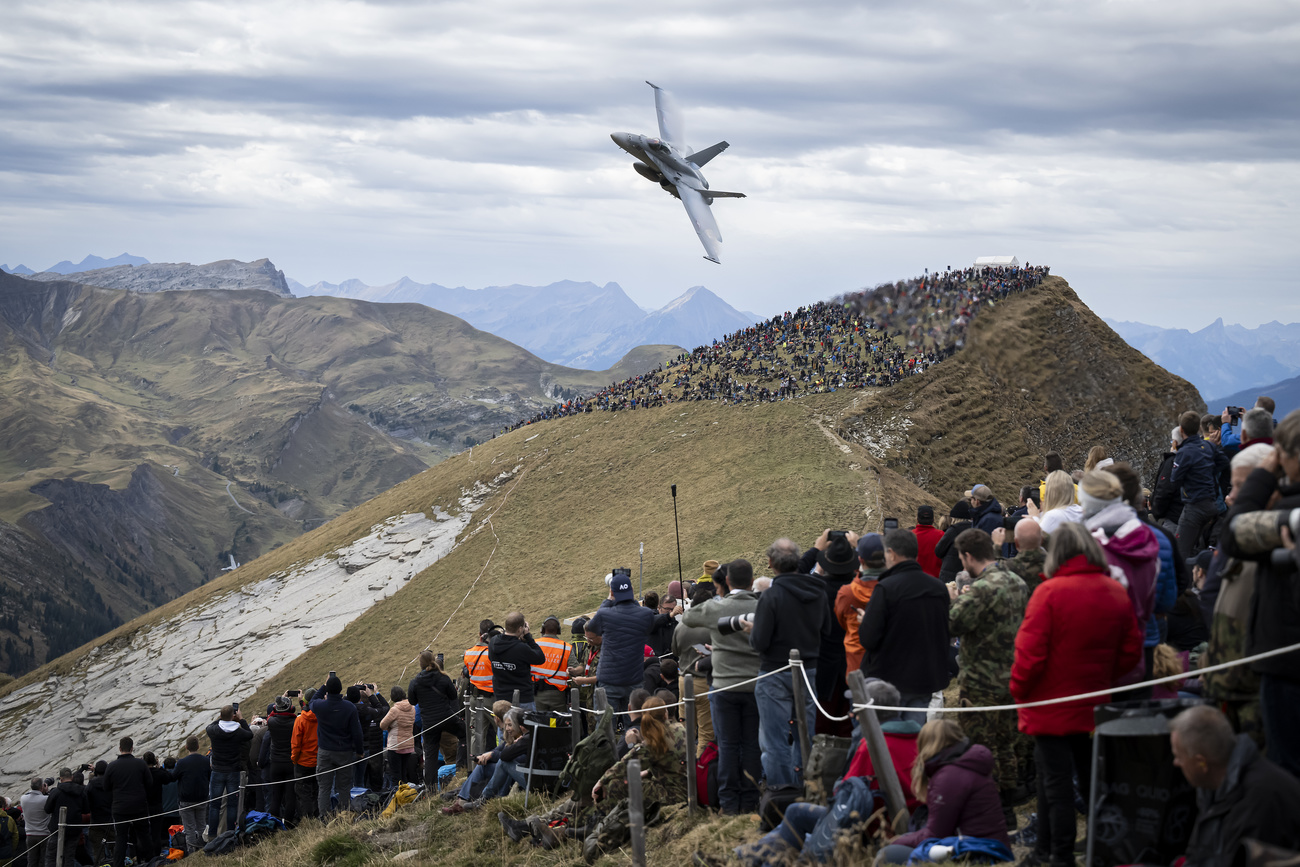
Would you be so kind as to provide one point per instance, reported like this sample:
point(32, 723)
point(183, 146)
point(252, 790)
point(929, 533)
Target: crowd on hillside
point(863, 340)
point(1091, 582)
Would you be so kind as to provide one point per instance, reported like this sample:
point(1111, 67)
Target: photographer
point(623, 626)
point(513, 654)
point(1253, 430)
point(1275, 610)
point(734, 710)
point(229, 737)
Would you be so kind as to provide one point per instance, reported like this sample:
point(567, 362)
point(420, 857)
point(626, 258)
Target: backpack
point(852, 806)
point(827, 762)
point(706, 777)
point(8, 831)
point(222, 844)
point(591, 758)
point(771, 807)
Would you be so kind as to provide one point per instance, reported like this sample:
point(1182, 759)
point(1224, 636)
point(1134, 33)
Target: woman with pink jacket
point(399, 722)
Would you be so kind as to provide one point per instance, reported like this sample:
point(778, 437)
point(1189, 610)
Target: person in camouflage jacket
point(1031, 552)
point(663, 774)
point(986, 617)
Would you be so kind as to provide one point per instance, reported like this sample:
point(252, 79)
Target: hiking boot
point(1028, 835)
point(455, 809)
point(449, 795)
point(514, 829)
point(543, 834)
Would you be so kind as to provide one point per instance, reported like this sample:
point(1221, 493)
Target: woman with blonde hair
point(1097, 459)
point(1060, 502)
point(954, 777)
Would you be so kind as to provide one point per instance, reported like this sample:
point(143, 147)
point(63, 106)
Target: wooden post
point(873, 738)
point(689, 706)
point(469, 729)
point(602, 704)
point(63, 824)
point(575, 716)
point(636, 811)
point(239, 810)
point(480, 725)
point(514, 699)
point(798, 689)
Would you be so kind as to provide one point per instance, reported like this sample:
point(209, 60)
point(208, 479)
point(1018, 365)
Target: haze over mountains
point(570, 323)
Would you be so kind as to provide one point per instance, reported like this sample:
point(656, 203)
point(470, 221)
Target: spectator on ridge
point(1256, 426)
point(927, 537)
point(193, 774)
point(1060, 503)
point(128, 781)
point(1096, 456)
point(229, 737)
point(1054, 659)
point(303, 752)
point(1030, 553)
point(835, 562)
point(904, 631)
point(851, 603)
point(514, 653)
point(432, 691)
point(551, 678)
point(958, 520)
point(339, 742)
point(689, 642)
point(71, 795)
point(399, 722)
point(733, 707)
point(623, 626)
point(101, 811)
point(792, 614)
point(1051, 463)
point(277, 759)
point(37, 821)
point(1195, 472)
point(986, 511)
point(986, 616)
point(1240, 794)
point(1166, 501)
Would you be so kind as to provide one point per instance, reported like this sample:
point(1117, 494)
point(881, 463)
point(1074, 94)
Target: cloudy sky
point(1148, 151)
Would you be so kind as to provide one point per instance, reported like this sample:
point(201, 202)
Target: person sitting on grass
point(484, 767)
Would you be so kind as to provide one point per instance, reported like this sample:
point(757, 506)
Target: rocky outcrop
point(182, 276)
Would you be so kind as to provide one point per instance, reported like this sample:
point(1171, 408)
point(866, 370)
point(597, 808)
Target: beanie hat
point(354, 694)
point(333, 686)
point(309, 694)
point(960, 511)
point(925, 515)
point(282, 704)
point(711, 566)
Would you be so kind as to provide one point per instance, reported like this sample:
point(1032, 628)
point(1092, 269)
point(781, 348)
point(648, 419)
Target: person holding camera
point(229, 736)
point(623, 626)
point(732, 704)
point(339, 742)
point(792, 614)
point(1196, 469)
point(513, 654)
point(1264, 531)
point(1256, 425)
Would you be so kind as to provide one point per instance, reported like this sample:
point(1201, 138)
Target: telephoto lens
point(732, 624)
point(1261, 532)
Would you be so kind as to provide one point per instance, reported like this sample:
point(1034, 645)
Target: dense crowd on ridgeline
point(1089, 585)
point(867, 339)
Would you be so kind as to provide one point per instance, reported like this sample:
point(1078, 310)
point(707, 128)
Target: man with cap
point(985, 510)
point(853, 597)
point(623, 626)
point(551, 678)
point(834, 559)
point(339, 743)
point(514, 652)
point(927, 536)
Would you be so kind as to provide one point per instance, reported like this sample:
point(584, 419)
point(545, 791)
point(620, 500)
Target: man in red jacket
point(927, 536)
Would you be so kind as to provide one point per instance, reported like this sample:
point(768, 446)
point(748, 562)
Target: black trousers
point(132, 830)
point(282, 796)
point(1059, 759)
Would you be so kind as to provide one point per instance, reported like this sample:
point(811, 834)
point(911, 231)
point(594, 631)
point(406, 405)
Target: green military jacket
point(986, 618)
point(666, 783)
point(1028, 565)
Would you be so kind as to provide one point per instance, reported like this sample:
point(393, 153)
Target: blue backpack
point(979, 849)
point(853, 805)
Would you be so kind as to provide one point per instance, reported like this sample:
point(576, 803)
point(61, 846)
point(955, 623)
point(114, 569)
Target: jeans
point(1279, 702)
point(740, 762)
point(1195, 518)
point(894, 854)
point(776, 846)
point(504, 774)
point(333, 776)
point(476, 777)
point(918, 700)
point(617, 697)
point(192, 819)
point(134, 829)
point(222, 783)
point(778, 736)
point(1059, 758)
point(281, 800)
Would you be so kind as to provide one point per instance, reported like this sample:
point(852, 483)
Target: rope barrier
point(812, 691)
point(705, 694)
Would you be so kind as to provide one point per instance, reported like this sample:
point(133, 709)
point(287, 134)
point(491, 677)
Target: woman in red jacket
point(1079, 635)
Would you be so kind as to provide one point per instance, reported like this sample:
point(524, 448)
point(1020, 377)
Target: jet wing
point(672, 126)
point(702, 219)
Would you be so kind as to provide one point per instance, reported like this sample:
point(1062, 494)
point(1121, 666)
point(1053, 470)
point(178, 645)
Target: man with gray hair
point(792, 614)
point(1240, 793)
point(1256, 426)
point(36, 821)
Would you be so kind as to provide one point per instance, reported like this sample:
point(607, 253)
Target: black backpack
point(771, 807)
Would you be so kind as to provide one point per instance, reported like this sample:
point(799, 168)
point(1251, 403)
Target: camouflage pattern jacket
point(666, 783)
point(1028, 565)
point(986, 618)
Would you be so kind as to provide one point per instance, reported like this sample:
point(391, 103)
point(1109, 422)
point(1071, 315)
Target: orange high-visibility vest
point(555, 670)
point(479, 667)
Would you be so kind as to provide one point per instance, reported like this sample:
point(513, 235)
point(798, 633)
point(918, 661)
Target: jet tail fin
point(702, 157)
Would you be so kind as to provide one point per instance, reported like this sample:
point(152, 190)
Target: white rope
point(1100, 692)
point(700, 696)
point(813, 693)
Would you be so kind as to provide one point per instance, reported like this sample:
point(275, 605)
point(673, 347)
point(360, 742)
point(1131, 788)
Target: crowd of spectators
point(867, 339)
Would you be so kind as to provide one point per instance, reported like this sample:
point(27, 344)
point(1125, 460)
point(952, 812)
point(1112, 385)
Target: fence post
point(689, 706)
point(480, 726)
point(469, 730)
point(575, 716)
point(798, 691)
point(601, 704)
point(636, 811)
point(873, 738)
point(514, 699)
point(239, 810)
point(63, 823)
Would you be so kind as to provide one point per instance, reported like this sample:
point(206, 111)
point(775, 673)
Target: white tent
point(997, 262)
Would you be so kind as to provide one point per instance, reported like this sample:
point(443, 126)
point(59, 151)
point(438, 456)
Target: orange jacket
point(855, 594)
point(302, 747)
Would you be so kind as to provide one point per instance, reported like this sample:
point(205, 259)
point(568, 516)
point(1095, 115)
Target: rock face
point(181, 276)
point(163, 683)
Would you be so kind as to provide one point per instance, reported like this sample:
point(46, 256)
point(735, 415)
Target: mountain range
point(1220, 359)
point(90, 263)
point(570, 323)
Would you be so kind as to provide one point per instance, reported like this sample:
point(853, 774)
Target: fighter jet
point(670, 163)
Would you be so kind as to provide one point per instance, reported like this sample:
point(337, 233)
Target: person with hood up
point(339, 742)
point(792, 614)
point(72, 795)
point(276, 760)
point(954, 777)
point(958, 520)
point(1055, 658)
point(302, 752)
point(927, 538)
point(986, 511)
point(229, 736)
point(1131, 549)
point(851, 603)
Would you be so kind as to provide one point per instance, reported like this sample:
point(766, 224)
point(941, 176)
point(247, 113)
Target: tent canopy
point(997, 262)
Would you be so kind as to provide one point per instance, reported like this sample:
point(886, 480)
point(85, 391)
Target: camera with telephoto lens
point(621, 570)
point(732, 624)
point(1261, 532)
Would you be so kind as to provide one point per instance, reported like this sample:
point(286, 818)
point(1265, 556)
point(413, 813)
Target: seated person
point(954, 778)
point(1240, 793)
point(632, 734)
point(518, 744)
point(484, 766)
point(800, 818)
